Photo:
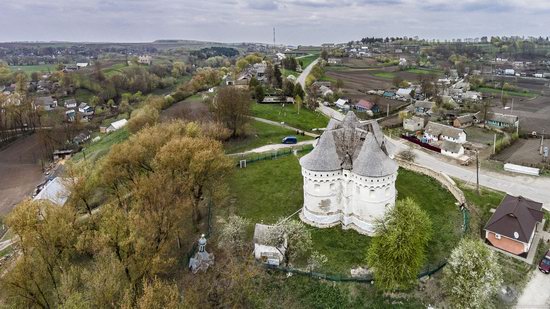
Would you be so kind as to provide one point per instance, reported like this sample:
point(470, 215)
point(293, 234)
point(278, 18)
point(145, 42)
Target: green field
point(260, 134)
point(286, 73)
point(307, 60)
point(114, 69)
point(306, 120)
point(41, 68)
point(268, 190)
point(95, 150)
point(524, 93)
point(423, 71)
point(387, 75)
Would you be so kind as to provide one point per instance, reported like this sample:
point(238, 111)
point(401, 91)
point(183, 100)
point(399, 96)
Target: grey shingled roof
point(343, 142)
point(323, 157)
point(516, 215)
point(436, 129)
point(509, 119)
point(451, 146)
point(372, 161)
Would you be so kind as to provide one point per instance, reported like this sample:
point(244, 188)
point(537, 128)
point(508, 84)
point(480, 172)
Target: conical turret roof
point(372, 161)
point(323, 157)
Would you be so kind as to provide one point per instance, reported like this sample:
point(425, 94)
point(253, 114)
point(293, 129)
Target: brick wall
point(506, 244)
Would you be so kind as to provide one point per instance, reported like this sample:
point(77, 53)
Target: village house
point(436, 131)
point(501, 121)
point(365, 105)
point(342, 103)
point(423, 107)
point(513, 225)
point(145, 59)
point(46, 103)
point(85, 109)
point(325, 91)
point(405, 93)
point(413, 124)
point(464, 121)
point(70, 103)
point(334, 60)
point(452, 149)
point(70, 115)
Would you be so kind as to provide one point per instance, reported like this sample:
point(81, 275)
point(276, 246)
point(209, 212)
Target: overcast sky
point(296, 21)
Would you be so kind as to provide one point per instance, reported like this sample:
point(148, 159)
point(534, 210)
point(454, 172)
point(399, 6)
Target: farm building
point(497, 120)
point(117, 125)
point(513, 225)
point(436, 131)
point(413, 124)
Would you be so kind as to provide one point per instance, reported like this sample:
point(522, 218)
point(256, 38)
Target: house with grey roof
point(513, 225)
point(349, 177)
point(501, 121)
point(55, 192)
point(436, 131)
point(452, 149)
point(423, 107)
point(413, 124)
point(45, 103)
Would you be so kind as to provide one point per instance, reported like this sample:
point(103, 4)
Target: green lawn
point(287, 73)
point(480, 135)
point(95, 150)
point(387, 75)
point(423, 71)
point(524, 93)
point(260, 134)
point(306, 120)
point(480, 205)
point(28, 69)
point(114, 69)
point(271, 189)
point(307, 60)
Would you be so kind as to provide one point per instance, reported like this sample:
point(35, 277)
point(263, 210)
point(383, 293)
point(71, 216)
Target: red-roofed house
point(364, 105)
point(512, 227)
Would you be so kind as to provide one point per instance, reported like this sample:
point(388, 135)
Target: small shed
point(263, 250)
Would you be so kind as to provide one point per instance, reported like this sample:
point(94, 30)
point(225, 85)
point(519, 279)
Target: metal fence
point(271, 155)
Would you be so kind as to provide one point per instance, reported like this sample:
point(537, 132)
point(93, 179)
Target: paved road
point(273, 147)
point(537, 292)
point(302, 78)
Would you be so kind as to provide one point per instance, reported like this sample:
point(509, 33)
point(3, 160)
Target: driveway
point(537, 292)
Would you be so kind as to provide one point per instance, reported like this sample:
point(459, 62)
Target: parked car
point(290, 140)
point(544, 264)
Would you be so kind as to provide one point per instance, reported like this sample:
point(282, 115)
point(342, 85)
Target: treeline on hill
point(155, 189)
point(208, 52)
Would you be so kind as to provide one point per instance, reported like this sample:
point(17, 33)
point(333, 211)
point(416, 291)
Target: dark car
point(544, 264)
point(290, 140)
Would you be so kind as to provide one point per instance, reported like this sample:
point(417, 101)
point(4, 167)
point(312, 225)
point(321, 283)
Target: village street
point(303, 76)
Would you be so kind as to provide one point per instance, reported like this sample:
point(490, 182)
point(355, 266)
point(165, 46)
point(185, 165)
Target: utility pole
point(388, 110)
point(477, 172)
point(542, 142)
point(495, 144)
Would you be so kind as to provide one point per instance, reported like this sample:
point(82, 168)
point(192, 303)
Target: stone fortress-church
point(349, 177)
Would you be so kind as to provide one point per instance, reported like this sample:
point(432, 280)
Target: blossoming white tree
point(472, 275)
